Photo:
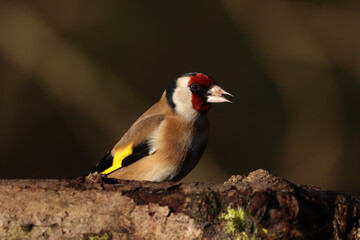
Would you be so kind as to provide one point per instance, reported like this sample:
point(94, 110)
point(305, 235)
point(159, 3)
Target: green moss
point(100, 236)
point(240, 225)
point(103, 237)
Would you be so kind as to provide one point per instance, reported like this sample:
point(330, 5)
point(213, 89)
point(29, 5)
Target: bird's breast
point(193, 142)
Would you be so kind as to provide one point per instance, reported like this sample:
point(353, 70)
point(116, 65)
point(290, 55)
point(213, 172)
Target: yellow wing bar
point(120, 155)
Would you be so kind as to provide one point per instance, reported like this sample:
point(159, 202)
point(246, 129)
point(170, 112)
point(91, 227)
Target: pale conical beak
point(215, 95)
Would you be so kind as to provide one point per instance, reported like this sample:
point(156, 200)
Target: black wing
point(139, 151)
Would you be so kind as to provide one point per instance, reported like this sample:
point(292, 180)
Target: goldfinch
point(168, 140)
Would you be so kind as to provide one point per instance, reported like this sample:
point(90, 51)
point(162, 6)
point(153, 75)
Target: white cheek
point(182, 98)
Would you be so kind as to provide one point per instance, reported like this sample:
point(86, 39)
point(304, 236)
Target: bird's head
point(193, 93)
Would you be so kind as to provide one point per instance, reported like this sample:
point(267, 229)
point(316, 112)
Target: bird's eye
point(194, 86)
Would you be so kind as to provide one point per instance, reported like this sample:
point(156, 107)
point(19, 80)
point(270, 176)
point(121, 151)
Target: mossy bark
point(257, 206)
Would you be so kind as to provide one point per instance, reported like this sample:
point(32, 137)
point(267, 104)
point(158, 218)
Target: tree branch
point(257, 206)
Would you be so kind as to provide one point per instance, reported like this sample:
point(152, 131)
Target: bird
point(168, 140)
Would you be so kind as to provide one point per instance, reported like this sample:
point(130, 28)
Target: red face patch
point(199, 101)
point(201, 79)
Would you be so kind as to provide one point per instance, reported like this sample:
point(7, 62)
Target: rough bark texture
point(257, 206)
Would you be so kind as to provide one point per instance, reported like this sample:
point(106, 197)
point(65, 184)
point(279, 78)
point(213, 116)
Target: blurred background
point(74, 75)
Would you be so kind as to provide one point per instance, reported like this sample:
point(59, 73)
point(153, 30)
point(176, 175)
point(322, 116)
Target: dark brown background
point(74, 75)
